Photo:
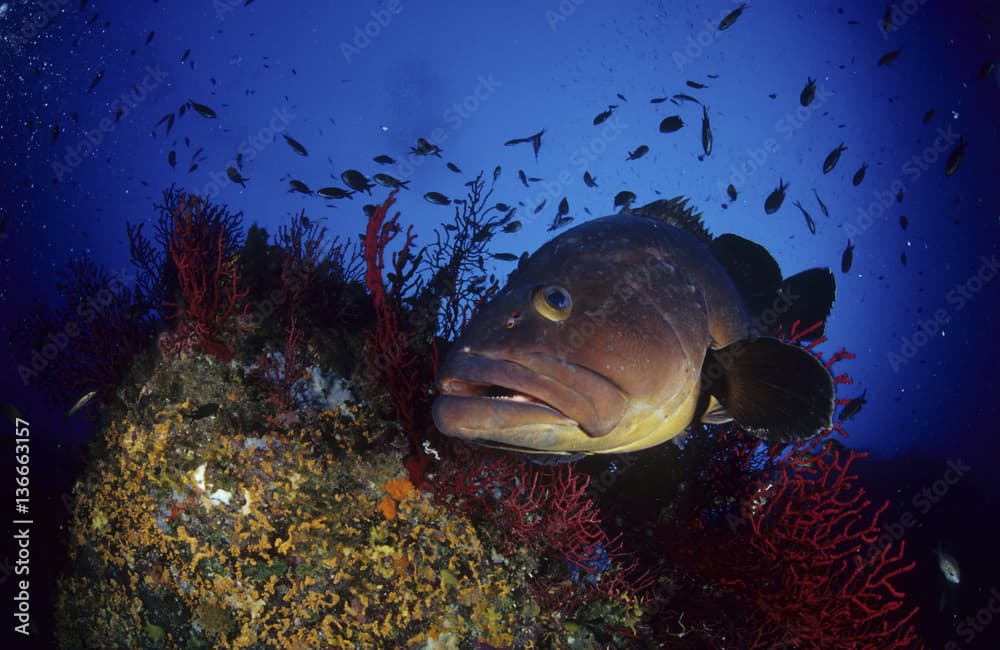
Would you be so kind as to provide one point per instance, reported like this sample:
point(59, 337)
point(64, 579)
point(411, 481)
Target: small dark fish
point(496, 173)
point(831, 159)
point(589, 180)
point(955, 157)
point(334, 193)
point(684, 98)
point(889, 57)
point(989, 67)
point(185, 55)
point(559, 222)
point(706, 132)
point(902, 258)
point(601, 117)
point(299, 186)
point(624, 199)
point(385, 180)
point(172, 158)
point(822, 206)
point(55, 134)
point(425, 148)
point(639, 152)
point(773, 95)
point(356, 181)
point(903, 221)
point(847, 257)
point(384, 160)
point(97, 80)
point(119, 111)
point(658, 100)
point(859, 175)
point(80, 403)
point(731, 17)
point(453, 167)
point(808, 93)
point(695, 85)
point(853, 407)
point(505, 257)
point(295, 145)
point(523, 177)
point(149, 37)
point(775, 198)
point(563, 209)
point(928, 116)
point(193, 167)
point(731, 191)
point(809, 220)
point(899, 196)
point(502, 207)
point(73, 116)
point(202, 110)
point(539, 207)
point(535, 140)
point(437, 198)
point(671, 123)
point(887, 18)
point(513, 226)
point(621, 97)
point(234, 176)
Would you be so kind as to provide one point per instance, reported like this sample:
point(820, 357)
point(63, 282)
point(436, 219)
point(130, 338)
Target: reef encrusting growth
point(204, 523)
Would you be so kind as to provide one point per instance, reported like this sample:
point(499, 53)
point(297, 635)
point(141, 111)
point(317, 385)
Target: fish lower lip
point(462, 388)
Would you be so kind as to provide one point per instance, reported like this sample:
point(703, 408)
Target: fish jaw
point(534, 401)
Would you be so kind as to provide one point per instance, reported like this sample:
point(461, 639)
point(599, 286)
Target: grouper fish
point(623, 331)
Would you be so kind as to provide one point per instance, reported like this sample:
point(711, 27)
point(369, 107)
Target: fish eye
point(553, 302)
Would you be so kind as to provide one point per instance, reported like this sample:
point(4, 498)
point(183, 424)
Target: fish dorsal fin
point(678, 214)
point(751, 267)
point(774, 390)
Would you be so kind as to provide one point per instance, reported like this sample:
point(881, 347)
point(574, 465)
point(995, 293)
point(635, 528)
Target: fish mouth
point(534, 401)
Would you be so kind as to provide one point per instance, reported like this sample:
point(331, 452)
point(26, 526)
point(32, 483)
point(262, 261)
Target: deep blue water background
point(354, 80)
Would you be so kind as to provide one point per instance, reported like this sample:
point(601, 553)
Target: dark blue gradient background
point(481, 73)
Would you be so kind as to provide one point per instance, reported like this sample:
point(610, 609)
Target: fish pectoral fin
point(776, 391)
point(716, 413)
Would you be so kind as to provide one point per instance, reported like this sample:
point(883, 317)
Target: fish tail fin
point(774, 390)
point(806, 297)
point(404, 184)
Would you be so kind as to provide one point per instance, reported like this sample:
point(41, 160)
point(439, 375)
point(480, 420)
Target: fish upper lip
point(531, 379)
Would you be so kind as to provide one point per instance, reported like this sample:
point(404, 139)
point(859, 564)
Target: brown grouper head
point(594, 346)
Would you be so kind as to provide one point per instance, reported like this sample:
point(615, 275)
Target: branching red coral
point(200, 245)
point(390, 343)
